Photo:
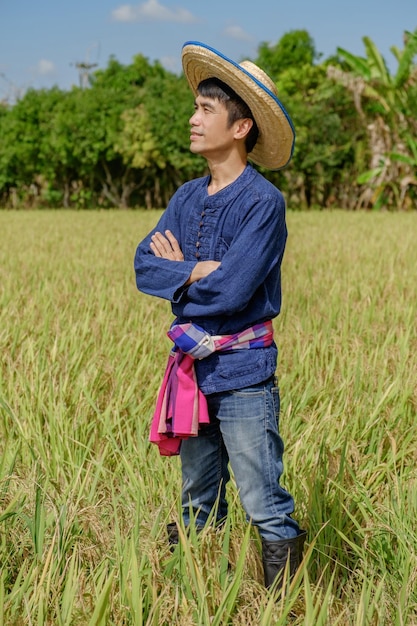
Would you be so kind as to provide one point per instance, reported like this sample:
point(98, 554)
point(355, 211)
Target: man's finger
point(159, 244)
point(174, 245)
point(166, 246)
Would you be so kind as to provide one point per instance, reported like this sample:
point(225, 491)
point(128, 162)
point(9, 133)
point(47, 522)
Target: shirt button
point(198, 244)
point(197, 254)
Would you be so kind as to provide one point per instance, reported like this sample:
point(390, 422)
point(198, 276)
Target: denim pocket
point(276, 401)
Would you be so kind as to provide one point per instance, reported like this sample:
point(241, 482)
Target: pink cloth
point(181, 397)
point(181, 407)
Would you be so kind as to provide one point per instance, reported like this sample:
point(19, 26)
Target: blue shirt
point(242, 226)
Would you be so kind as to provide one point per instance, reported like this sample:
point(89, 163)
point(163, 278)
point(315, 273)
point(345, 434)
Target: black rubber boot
point(173, 538)
point(173, 534)
point(276, 555)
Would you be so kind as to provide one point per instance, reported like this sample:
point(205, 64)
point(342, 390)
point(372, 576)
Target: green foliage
point(124, 140)
point(387, 106)
point(406, 57)
point(125, 79)
point(169, 120)
point(295, 49)
point(24, 131)
point(327, 134)
point(135, 142)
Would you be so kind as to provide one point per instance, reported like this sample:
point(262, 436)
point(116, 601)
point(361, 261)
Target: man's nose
point(194, 120)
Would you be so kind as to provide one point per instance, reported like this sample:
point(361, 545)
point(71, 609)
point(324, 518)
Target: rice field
point(84, 498)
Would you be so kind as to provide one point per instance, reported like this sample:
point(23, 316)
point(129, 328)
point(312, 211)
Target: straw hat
point(275, 144)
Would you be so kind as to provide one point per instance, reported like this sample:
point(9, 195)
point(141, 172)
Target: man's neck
point(223, 175)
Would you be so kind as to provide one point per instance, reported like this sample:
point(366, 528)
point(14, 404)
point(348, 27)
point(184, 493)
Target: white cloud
point(45, 67)
point(151, 10)
point(124, 13)
point(237, 32)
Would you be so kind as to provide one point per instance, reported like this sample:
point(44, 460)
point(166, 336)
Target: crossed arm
point(166, 246)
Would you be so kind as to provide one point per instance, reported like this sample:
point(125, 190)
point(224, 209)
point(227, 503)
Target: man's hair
point(237, 108)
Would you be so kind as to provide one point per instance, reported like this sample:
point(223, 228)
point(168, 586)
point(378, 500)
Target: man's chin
point(194, 148)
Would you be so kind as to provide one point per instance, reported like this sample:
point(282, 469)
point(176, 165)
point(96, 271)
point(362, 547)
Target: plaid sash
point(181, 407)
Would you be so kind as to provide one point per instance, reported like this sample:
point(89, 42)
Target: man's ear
point(243, 126)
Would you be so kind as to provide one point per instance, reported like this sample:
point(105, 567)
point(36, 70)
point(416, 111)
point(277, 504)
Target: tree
point(124, 140)
point(295, 49)
point(92, 127)
point(138, 148)
point(323, 118)
point(387, 106)
point(24, 150)
point(171, 102)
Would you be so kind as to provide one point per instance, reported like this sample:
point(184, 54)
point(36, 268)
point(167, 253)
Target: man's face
point(210, 135)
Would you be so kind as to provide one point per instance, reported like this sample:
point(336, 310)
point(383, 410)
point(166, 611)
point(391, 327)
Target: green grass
point(84, 499)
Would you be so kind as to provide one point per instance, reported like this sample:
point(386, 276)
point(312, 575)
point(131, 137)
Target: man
point(216, 255)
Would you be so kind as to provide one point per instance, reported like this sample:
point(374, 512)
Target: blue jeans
point(243, 430)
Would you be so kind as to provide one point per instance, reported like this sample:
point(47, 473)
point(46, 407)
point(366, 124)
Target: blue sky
point(42, 40)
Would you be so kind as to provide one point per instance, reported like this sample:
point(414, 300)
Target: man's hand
point(166, 246)
point(201, 270)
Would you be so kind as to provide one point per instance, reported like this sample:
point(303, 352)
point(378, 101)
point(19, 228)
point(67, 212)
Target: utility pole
point(84, 69)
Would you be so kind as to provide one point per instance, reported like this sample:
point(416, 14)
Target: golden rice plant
point(84, 497)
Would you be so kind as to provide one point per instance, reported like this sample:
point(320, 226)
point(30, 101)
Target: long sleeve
point(156, 276)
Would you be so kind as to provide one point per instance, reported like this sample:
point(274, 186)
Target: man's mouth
point(194, 134)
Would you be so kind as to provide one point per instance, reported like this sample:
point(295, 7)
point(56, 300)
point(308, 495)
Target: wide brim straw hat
point(275, 144)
